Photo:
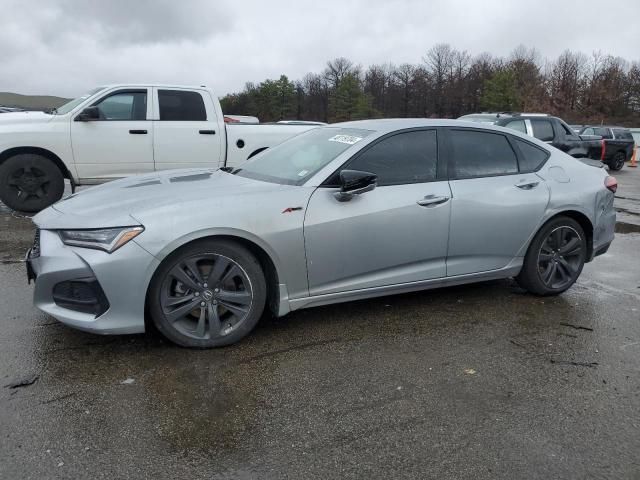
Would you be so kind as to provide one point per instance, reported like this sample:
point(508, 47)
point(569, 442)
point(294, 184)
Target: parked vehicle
point(556, 132)
point(300, 122)
point(577, 128)
point(241, 119)
point(484, 117)
point(617, 144)
point(117, 131)
point(339, 213)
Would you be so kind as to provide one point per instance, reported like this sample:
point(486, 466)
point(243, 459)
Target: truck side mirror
point(88, 114)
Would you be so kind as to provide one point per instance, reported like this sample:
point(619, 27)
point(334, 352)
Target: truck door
point(186, 130)
point(119, 142)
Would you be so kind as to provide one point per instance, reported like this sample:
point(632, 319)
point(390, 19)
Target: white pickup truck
point(121, 130)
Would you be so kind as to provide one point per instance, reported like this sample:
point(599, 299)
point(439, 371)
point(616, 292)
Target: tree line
point(447, 83)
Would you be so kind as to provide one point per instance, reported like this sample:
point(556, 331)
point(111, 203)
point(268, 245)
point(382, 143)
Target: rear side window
point(603, 132)
point(622, 134)
point(588, 131)
point(481, 154)
point(531, 157)
point(517, 125)
point(409, 157)
point(179, 105)
point(542, 130)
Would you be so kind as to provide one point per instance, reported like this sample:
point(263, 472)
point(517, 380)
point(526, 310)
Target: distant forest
point(447, 83)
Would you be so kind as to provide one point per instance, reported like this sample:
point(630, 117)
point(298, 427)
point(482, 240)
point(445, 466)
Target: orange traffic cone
point(634, 158)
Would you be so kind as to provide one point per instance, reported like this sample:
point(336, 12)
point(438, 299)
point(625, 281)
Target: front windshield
point(296, 160)
point(67, 107)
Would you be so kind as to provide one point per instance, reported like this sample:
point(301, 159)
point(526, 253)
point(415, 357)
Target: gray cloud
point(65, 47)
point(145, 21)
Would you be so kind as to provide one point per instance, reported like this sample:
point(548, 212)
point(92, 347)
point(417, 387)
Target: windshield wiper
point(230, 170)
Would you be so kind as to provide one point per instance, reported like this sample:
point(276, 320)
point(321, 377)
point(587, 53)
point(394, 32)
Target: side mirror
point(88, 114)
point(354, 182)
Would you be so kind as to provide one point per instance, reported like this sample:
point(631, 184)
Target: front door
point(395, 234)
point(120, 142)
point(497, 199)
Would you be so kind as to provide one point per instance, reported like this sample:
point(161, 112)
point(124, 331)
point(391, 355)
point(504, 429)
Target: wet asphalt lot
point(480, 381)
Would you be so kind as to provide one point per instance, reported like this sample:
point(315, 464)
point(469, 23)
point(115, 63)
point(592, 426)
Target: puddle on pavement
point(16, 236)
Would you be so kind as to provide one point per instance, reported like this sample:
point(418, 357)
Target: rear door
point(185, 130)
point(497, 199)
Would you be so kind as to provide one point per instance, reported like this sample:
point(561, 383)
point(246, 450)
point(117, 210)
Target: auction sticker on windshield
point(348, 139)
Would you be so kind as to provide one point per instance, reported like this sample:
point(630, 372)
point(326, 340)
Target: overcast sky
point(64, 47)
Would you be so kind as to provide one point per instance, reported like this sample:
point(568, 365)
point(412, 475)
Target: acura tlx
point(338, 213)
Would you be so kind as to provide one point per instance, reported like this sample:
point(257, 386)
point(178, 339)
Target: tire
point(545, 264)
point(209, 293)
point(617, 162)
point(30, 182)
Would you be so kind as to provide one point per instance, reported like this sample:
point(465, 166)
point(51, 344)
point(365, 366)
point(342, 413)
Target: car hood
point(120, 202)
point(24, 117)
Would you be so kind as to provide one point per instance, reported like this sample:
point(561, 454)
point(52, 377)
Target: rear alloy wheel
point(555, 258)
point(30, 183)
point(618, 161)
point(210, 294)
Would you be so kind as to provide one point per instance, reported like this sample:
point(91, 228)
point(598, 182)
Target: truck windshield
point(293, 162)
point(67, 107)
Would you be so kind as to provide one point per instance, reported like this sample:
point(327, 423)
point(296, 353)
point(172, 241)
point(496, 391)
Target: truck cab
point(121, 130)
point(617, 144)
point(555, 132)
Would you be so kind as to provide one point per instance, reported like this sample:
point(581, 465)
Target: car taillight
point(611, 183)
point(603, 147)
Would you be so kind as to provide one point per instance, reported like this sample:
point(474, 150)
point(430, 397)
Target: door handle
point(207, 132)
point(527, 185)
point(432, 200)
point(138, 132)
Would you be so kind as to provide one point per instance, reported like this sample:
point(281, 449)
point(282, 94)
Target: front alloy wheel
point(211, 294)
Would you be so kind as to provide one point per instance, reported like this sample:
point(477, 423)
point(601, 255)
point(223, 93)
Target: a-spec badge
point(291, 209)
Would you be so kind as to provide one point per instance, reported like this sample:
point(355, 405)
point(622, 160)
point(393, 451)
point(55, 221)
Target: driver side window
point(409, 157)
point(129, 105)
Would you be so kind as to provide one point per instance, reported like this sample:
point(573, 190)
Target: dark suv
point(554, 131)
point(618, 144)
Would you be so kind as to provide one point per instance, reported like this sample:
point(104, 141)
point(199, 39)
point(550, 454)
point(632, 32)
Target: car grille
point(35, 249)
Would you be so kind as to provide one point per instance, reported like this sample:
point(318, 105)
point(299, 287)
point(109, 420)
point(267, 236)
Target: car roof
point(530, 117)
point(392, 124)
point(605, 126)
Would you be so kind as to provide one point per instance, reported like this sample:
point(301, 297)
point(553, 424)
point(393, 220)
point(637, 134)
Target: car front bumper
point(121, 277)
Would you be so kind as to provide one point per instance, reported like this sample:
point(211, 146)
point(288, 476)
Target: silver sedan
point(339, 213)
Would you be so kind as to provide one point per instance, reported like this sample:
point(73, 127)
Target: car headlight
point(107, 239)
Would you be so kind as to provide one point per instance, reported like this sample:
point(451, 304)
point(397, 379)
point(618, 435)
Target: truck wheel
point(617, 162)
point(30, 182)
